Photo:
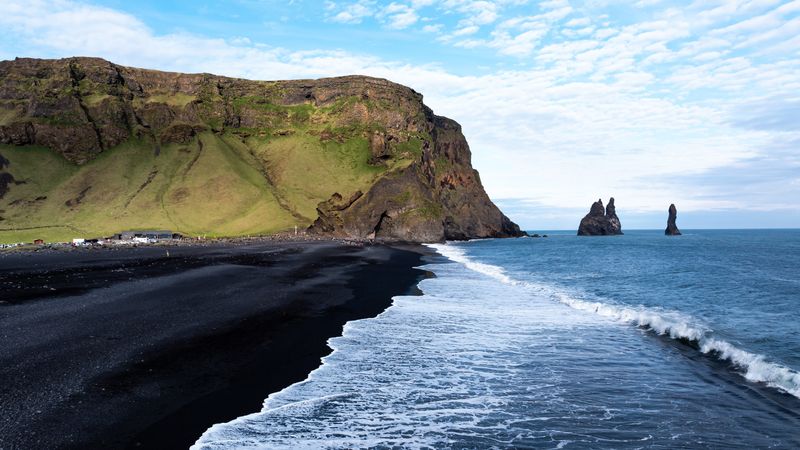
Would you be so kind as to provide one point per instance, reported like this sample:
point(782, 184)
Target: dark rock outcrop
point(672, 228)
point(438, 197)
point(601, 221)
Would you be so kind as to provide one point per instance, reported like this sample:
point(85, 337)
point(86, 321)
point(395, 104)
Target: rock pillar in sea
point(601, 221)
point(672, 228)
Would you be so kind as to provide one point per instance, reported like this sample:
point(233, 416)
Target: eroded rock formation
point(601, 221)
point(672, 228)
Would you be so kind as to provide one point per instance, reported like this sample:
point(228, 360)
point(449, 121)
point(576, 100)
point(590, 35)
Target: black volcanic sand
point(132, 348)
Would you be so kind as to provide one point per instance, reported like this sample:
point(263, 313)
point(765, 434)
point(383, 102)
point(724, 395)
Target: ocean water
point(635, 341)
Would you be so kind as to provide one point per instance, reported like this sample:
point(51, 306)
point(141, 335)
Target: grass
point(277, 116)
point(410, 149)
point(7, 116)
point(177, 99)
point(212, 192)
point(429, 210)
point(443, 165)
point(216, 185)
point(306, 171)
point(227, 188)
point(94, 99)
point(64, 120)
point(54, 233)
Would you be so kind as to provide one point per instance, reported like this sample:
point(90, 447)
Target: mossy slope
point(89, 148)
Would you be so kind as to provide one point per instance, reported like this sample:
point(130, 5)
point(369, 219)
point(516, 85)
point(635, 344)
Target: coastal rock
point(601, 221)
point(672, 228)
point(614, 225)
point(439, 197)
point(351, 156)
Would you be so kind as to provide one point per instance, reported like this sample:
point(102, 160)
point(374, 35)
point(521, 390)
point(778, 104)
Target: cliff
point(88, 147)
point(600, 221)
point(672, 227)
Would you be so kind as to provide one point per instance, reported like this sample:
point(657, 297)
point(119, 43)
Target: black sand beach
point(134, 348)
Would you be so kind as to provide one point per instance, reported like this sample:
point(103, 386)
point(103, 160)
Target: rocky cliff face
point(601, 221)
point(205, 154)
point(672, 228)
point(438, 197)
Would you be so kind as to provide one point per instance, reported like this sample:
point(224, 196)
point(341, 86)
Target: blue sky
point(649, 101)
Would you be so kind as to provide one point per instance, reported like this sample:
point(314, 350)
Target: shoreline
point(119, 244)
point(202, 337)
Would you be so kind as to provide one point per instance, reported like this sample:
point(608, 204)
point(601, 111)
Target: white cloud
point(634, 103)
point(578, 22)
point(646, 3)
point(399, 16)
point(353, 13)
point(604, 33)
point(478, 12)
point(432, 28)
point(472, 29)
point(521, 44)
point(517, 36)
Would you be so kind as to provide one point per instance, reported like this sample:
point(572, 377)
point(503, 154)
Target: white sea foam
point(458, 255)
point(447, 370)
point(753, 367)
point(484, 360)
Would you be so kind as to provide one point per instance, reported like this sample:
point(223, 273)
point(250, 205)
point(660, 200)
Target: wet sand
point(131, 348)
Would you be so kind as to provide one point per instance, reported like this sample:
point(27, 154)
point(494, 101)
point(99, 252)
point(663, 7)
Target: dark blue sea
point(634, 341)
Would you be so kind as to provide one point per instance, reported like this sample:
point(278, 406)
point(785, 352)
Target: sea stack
point(601, 221)
point(672, 228)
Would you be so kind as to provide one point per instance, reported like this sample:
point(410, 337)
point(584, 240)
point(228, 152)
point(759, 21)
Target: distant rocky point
point(672, 228)
point(601, 221)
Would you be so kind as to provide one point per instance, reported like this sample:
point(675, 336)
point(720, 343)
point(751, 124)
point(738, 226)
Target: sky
point(652, 102)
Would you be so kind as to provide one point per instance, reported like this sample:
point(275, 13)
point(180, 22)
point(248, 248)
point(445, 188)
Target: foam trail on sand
point(753, 367)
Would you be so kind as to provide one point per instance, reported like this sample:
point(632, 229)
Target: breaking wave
point(753, 367)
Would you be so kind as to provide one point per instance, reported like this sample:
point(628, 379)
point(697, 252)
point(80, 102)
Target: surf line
point(753, 367)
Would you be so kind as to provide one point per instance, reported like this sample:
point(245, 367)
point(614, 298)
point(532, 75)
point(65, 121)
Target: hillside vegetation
point(89, 148)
